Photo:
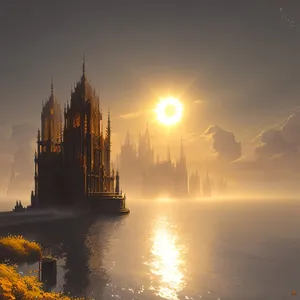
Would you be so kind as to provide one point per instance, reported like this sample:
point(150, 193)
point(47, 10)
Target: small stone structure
point(48, 271)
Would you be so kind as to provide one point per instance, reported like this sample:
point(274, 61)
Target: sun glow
point(169, 111)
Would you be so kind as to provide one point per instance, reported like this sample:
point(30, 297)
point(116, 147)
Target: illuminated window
point(76, 121)
point(85, 124)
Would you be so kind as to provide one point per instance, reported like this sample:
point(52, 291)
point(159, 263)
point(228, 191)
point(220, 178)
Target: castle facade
point(73, 157)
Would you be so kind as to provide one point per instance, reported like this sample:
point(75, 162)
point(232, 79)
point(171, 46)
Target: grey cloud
point(273, 144)
point(224, 143)
point(284, 141)
point(291, 128)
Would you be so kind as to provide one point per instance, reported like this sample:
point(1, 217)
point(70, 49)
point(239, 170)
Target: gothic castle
point(162, 177)
point(72, 161)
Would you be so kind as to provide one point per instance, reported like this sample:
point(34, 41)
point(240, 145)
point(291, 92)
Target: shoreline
point(11, 218)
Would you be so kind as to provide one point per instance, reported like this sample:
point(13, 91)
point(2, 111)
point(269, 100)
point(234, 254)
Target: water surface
point(178, 250)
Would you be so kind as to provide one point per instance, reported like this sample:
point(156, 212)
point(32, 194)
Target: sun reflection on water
point(167, 264)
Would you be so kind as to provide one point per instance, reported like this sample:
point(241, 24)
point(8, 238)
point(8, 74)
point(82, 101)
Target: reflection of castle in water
point(161, 177)
point(81, 243)
point(77, 270)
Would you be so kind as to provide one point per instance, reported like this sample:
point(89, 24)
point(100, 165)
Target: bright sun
point(169, 111)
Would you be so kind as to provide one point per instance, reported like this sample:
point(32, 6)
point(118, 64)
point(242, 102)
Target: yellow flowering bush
point(15, 287)
point(18, 249)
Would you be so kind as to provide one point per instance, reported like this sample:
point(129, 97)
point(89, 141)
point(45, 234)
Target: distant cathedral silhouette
point(153, 178)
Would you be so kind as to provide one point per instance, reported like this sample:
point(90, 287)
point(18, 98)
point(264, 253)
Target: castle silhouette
point(73, 158)
point(153, 178)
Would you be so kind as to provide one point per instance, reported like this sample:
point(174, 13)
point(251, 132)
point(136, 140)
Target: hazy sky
point(235, 63)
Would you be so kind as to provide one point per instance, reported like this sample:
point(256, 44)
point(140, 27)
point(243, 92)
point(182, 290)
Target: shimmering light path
point(167, 261)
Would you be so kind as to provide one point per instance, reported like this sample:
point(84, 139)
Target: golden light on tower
point(169, 111)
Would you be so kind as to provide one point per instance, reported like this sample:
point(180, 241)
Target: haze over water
point(178, 250)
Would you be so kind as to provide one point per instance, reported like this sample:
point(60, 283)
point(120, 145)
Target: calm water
point(169, 250)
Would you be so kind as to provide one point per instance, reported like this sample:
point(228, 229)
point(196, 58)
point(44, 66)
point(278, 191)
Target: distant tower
point(194, 184)
point(222, 185)
point(168, 154)
point(182, 154)
point(181, 173)
point(129, 163)
point(207, 186)
point(145, 152)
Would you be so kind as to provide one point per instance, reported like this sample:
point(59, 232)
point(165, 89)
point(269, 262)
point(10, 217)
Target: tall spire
point(168, 154)
point(147, 137)
point(147, 129)
point(83, 65)
point(181, 149)
point(51, 85)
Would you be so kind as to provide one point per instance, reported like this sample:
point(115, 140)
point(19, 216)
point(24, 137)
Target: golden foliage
point(18, 249)
point(15, 287)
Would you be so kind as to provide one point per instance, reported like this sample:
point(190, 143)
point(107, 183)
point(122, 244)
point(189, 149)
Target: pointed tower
point(147, 139)
point(145, 152)
point(194, 184)
point(83, 66)
point(168, 154)
point(222, 185)
point(206, 186)
point(51, 121)
point(48, 157)
point(181, 173)
point(83, 140)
